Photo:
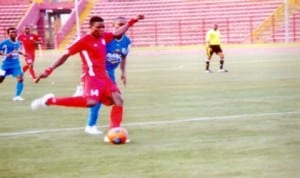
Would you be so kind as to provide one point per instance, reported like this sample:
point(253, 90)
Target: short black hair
point(95, 19)
point(10, 28)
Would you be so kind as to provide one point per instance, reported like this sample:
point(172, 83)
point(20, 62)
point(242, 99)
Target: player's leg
point(93, 116)
point(221, 55)
point(32, 72)
point(112, 96)
point(29, 65)
point(92, 89)
point(25, 67)
point(17, 73)
point(116, 115)
point(91, 127)
point(209, 53)
point(50, 99)
point(19, 89)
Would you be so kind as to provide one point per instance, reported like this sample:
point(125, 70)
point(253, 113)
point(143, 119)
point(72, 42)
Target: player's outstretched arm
point(62, 59)
point(130, 23)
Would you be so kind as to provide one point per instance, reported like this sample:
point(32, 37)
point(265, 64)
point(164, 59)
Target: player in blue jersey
point(10, 50)
point(116, 52)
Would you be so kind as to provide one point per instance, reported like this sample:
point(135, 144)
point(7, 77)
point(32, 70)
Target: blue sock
point(19, 88)
point(93, 114)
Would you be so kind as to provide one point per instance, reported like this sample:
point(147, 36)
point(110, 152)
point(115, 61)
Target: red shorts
point(100, 89)
point(29, 59)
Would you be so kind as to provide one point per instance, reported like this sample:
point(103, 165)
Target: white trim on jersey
point(89, 63)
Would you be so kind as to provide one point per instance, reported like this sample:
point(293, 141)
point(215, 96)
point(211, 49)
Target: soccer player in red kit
point(97, 85)
point(29, 42)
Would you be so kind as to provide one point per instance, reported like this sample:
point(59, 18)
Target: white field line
point(243, 116)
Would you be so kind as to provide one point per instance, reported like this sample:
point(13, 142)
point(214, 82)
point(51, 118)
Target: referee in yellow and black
point(213, 40)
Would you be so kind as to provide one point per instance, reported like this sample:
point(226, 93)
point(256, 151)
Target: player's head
point(96, 26)
point(119, 22)
point(27, 29)
point(12, 33)
point(215, 26)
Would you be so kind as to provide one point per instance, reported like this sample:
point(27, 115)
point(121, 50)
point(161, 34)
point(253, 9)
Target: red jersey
point(93, 53)
point(29, 42)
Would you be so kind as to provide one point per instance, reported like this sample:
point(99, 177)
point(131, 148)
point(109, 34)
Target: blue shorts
point(111, 74)
point(14, 71)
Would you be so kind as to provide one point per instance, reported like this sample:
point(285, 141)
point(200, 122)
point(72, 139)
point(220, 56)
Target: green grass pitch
point(183, 123)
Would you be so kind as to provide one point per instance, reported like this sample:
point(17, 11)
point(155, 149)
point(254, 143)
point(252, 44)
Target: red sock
point(25, 67)
point(79, 101)
point(116, 116)
point(32, 72)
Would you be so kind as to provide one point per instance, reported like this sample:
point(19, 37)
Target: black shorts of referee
point(214, 49)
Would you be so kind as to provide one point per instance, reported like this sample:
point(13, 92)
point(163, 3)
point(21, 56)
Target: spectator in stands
point(29, 41)
point(10, 50)
point(213, 45)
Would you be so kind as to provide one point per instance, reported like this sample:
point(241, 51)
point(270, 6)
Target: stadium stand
point(177, 22)
point(168, 22)
point(17, 13)
point(294, 28)
point(10, 15)
point(269, 27)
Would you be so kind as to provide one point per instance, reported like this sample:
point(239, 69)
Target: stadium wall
point(66, 28)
